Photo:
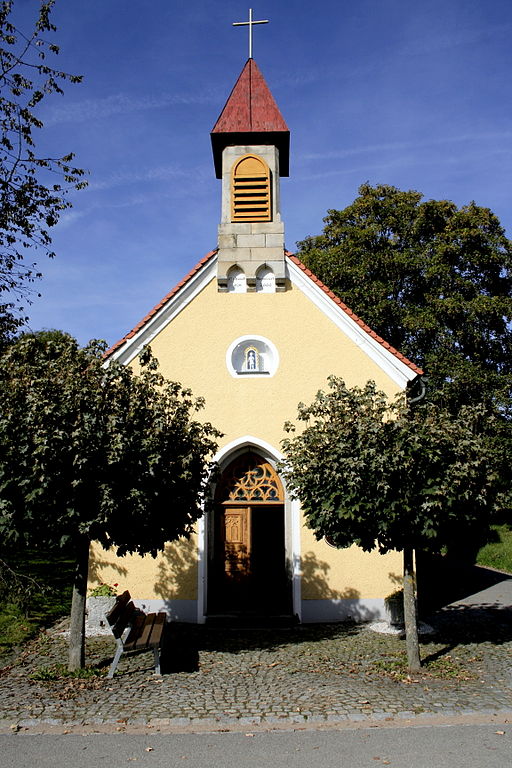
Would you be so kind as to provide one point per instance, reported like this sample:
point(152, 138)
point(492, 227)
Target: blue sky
point(418, 95)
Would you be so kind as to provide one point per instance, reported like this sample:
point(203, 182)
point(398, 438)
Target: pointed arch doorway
point(248, 574)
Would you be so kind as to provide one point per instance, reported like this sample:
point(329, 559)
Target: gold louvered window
point(250, 190)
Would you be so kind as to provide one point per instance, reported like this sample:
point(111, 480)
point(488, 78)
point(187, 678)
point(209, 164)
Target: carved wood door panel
point(236, 534)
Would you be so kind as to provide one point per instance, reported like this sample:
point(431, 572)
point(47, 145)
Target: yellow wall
point(192, 350)
point(170, 576)
point(329, 573)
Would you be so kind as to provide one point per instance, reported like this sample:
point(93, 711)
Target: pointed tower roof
point(251, 116)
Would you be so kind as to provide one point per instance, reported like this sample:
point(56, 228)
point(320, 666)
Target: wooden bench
point(135, 630)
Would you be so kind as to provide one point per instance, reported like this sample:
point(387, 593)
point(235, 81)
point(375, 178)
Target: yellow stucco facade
point(192, 349)
point(254, 333)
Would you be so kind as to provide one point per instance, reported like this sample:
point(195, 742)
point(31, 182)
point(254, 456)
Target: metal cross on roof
point(250, 24)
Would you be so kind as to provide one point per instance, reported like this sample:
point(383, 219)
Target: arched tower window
point(250, 190)
point(265, 280)
point(237, 282)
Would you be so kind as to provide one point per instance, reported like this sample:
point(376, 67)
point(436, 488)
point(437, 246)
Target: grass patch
point(61, 672)
point(498, 552)
point(15, 627)
point(446, 667)
point(68, 685)
point(21, 619)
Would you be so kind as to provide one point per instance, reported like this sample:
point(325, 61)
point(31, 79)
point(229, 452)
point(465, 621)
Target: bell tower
point(251, 148)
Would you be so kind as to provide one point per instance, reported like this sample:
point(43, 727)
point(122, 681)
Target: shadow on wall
point(397, 579)
point(345, 605)
point(314, 580)
point(177, 571)
point(97, 564)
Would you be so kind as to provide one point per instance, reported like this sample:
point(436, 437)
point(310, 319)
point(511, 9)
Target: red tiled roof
point(353, 315)
point(160, 304)
point(251, 116)
point(306, 271)
point(250, 107)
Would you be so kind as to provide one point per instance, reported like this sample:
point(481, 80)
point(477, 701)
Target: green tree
point(94, 452)
point(389, 476)
point(433, 280)
point(32, 187)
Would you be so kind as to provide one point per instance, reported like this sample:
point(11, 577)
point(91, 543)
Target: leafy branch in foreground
point(33, 188)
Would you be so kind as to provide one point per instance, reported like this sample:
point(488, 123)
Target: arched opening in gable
point(237, 281)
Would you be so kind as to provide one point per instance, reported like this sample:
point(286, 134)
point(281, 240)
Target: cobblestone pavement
point(305, 675)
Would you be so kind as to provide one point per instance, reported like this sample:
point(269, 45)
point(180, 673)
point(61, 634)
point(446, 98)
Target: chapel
point(254, 332)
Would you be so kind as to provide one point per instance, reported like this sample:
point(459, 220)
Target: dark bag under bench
point(135, 630)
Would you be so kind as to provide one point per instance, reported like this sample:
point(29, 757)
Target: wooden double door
point(248, 568)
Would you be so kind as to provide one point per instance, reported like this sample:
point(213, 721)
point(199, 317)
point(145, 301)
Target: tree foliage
point(433, 280)
point(95, 452)
point(32, 187)
point(387, 476)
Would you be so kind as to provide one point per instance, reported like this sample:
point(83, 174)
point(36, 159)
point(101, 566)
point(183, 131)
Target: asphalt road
point(433, 746)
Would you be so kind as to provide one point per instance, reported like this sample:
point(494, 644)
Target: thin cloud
point(453, 39)
point(407, 145)
point(120, 103)
point(408, 160)
point(376, 167)
point(122, 178)
point(297, 79)
point(69, 218)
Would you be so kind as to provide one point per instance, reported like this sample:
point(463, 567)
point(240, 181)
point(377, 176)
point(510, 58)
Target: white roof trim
point(397, 370)
point(228, 451)
point(194, 285)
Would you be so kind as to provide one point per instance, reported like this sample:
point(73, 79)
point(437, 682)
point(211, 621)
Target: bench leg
point(115, 662)
point(156, 653)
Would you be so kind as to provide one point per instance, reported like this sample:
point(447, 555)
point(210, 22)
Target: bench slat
point(157, 630)
point(135, 631)
point(146, 631)
point(152, 631)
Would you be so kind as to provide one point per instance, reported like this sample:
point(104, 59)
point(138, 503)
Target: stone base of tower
point(251, 246)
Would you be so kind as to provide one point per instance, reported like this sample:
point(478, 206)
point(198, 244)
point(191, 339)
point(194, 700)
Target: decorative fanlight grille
point(250, 479)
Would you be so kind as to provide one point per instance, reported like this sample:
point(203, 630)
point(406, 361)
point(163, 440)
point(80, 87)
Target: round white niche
point(252, 357)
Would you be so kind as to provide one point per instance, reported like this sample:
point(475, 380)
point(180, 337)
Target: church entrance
point(248, 574)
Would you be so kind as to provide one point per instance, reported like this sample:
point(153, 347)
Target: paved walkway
point(220, 679)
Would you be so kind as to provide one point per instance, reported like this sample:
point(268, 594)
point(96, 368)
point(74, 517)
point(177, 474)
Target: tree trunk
point(76, 658)
point(411, 627)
